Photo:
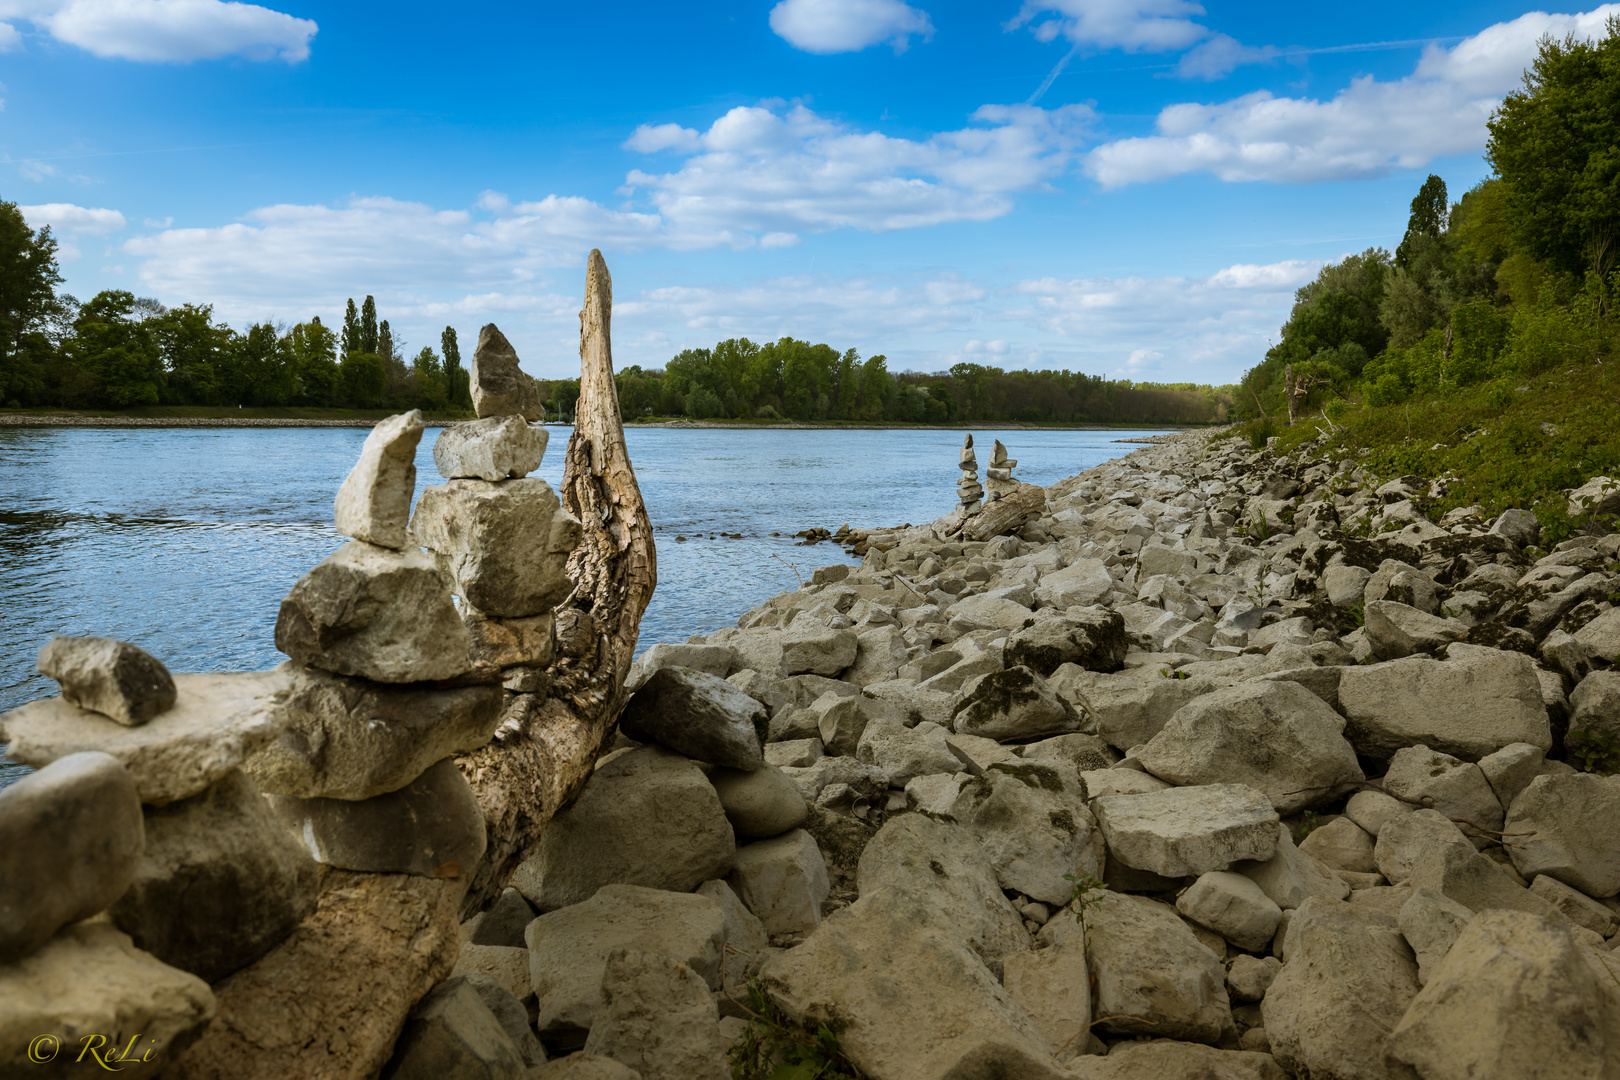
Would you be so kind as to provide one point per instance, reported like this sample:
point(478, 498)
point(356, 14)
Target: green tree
point(28, 305)
point(351, 329)
point(193, 348)
point(1428, 218)
point(457, 380)
point(365, 380)
point(368, 327)
point(117, 352)
point(430, 383)
point(317, 378)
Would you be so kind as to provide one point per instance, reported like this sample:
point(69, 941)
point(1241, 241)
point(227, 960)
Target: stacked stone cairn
point(968, 491)
point(998, 478)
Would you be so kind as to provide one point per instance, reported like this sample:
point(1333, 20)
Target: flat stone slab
point(1181, 832)
point(217, 721)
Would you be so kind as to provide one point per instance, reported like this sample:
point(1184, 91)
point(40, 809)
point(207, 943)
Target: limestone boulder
point(1567, 825)
point(219, 884)
point(647, 817)
point(657, 1018)
point(1234, 907)
point(810, 646)
point(761, 803)
point(374, 502)
point(1083, 753)
point(1345, 985)
point(1290, 876)
point(987, 611)
point(499, 386)
point(451, 1032)
point(494, 448)
point(1594, 705)
point(1372, 810)
point(1125, 709)
point(92, 989)
point(1342, 845)
point(1457, 789)
point(1402, 842)
point(747, 941)
point(1513, 997)
point(110, 677)
point(506, 966)
point(1171, 1059)
point(1574, 905)
point(216, 723)
point(1431, 922)
point(510, 1013)
point(1346, 585)
point(1014, 703)
point(861, 972)
point(432, 827)
point(1053, 986)
point(380, 614)
point(1401, 583)
point(880, 651)
point(904, 753)
point(1469, 705)
point(1460, 873)
point(1181, 832)
point(783, 881)
point(1276, 737)
point(71, 838)
point(1091, 638)
point(503, 546)
point(1396, 630)
point(718, 660)
point(1249, 977)
point(347, 738)
point(569, 949)
point(1033, 825)
point(699, 715)
point(1082, 582)
point(941, 864)
point(1599, 495)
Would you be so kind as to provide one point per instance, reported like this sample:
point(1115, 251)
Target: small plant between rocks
point(1593, 751)
point(1088, 890)
point(774, 1048)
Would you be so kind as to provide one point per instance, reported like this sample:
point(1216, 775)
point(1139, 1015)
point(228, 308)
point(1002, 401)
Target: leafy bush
point(774, 1048)
point(1593, 751)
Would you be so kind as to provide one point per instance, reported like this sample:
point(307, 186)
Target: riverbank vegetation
point(1484, 347)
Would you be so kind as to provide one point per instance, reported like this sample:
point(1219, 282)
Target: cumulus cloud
point(166, 31)
point(66, 217)
point(1131, 25)
point(10, 39)
point(1366, 130)
point(839, 26)
point(1220, 56)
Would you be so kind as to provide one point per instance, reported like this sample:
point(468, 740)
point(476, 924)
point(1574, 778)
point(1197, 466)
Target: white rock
point(1470, 705)
point(1053, 986)
point(783, 881)
point(503, 546)
point(1567, 827)
point(1289, 876)
point(657, 1018)
point(1430, 922)
point(1342, 845)
point(374, 502)
point(1033, 826)
point(1233, 906)
point(1185, 831)
point(1403, 840)
point(1372, 810)
point(495, 448)
point(1457, 789)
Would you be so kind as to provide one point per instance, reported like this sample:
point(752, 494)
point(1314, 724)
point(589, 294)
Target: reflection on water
point(184, 540)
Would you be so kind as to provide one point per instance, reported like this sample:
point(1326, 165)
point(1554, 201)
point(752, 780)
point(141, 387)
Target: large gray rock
point(1082, 582)
point(905, 753)
point(503, 546)
point(761, 803)
point(658, 1018)
point(1169, 1059)
point(1567, 826)
point(1033, 824)
point(1513, 998)
point(351, 738)
point(747, 940)
point(509, 1012)
point(783, 881)
point(1460, 873)
point(1291, 876)
point(499, 386)
point(380, 614)
point(1510, 770)
point(1014, 703)
point(1576, 906)
point(879, 653)
point(432, 827)
point(1083, 753)
point(1457, 789)
point(810, 646)
point(1276, 737)
point(1181, 832)
point(1403, 841)
point(713, 659)
point(841, 719)
point(70, 841)
point(648, 817)
point(1599, 495)
point(1093, 638)
point(1126, 709)
point(909, 1000)
point(110, 677)
point(699, 715)
point(1346, 983)
point(1470, 705)
point(1053, 985)
point(1594, 705)
point(1431, 922)
point(374, 502)
point(1234, 907)
point(216, 723)
point(943, 865)
point(220, 882)
point(569, 949)
point(494, 448)
point(1401, 583)
point(1396, 630)
point(90, 981)
point(451, 1032)
point(1342, 845)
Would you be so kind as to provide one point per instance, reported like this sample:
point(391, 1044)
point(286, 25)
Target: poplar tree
point(368, 326)
point(351, 329)
point(385, 341)
point(457, 382)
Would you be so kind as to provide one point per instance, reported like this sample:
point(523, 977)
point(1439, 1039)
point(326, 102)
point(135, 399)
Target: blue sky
point(1125, 187)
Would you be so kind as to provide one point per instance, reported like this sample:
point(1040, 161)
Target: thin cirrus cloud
point(163, 31)
point(840, 26)
point(1367, 130)
point(1129, 25)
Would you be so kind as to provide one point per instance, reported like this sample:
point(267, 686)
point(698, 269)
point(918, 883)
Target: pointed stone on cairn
point(967, 488)
point(998, 477)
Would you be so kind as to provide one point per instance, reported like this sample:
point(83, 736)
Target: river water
point(184, 540)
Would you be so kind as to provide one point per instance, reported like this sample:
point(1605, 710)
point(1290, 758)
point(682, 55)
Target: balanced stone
point(70, 840)
point(760, 803)
point(374, 503)
point(217, 721)
point(110, 677)
point(504, 546)
point(494, 448)
point(499, 386)
point(384, 615)
point(699, 715)
point(432, 827)
point(219, 884)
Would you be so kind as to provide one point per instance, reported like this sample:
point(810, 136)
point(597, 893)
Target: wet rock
point(374, 502)
point(494, 448)
point(1182, 832)
point(1430, 922)
point(219, 884)
point(1567, 826)
point(380, 614)
point(432, 827)
point(71, 838)
point(353, 739)
point(657, 1018)
point(1093, 639)
point(110, 677)
point(1033, 826)
point(499, 386)
point(451, 1032)
point(648, 817)
point(783, 881)
point(761, 803)
point(216, 723)
point(1233, 906)
point(1012, 704)
point(699, 715)
point(504, 547)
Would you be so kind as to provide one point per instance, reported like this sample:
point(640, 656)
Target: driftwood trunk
point(549, 741)
point(1006, 514)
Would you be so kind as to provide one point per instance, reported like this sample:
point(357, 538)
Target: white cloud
point(172, 31)
point(1220, 56)
point(651, 138)
point(1366, 130)
point(1131, 25)
point(65, 217)
point(10, 39)
point(838, 26)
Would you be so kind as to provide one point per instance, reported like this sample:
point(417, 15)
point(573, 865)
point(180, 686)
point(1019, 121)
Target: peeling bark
point(1007, 514)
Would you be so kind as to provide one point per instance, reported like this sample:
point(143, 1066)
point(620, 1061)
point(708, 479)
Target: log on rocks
point(1007, 514)
point(548, 742)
